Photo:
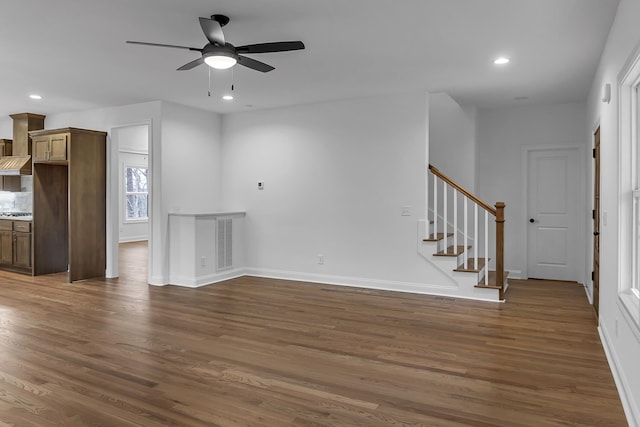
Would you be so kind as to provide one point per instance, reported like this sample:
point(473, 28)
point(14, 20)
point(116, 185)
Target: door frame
point(113, 198)
point(595, 223)
point(524, 218)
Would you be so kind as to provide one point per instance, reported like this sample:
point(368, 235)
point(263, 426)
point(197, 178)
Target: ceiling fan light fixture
point(220, 61)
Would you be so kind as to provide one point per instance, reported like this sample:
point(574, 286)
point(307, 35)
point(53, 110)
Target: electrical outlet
point(203, 261)
point(405, 211)
point(320, 259)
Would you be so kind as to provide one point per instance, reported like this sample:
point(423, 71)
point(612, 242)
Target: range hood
point(19, 163)
point(15, 165)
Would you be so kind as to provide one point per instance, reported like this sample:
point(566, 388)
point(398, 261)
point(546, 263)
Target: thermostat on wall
point(260, 185)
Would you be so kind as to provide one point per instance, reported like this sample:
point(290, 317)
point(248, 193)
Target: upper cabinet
point(50, 148)
point(5, 147)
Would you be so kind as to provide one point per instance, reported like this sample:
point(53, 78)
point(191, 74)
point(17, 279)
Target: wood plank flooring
point(260, 352)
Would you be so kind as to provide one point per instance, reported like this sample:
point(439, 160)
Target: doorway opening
point(130, 195)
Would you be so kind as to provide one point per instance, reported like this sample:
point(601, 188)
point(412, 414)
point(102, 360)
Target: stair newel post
point(500, 247)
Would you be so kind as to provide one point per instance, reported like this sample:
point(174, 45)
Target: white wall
point(191, 172)
point(335, 177)
point(6, 127)
point(621, 335)
point(452, 139)
point(502, 134)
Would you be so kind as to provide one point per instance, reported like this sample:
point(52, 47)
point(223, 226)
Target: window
point(629, 181)
point(136, 194)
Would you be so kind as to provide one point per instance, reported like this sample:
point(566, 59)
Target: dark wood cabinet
point(50, 148)
point(22, 250)
point(15, 245)
point(6, 247)
point(69, 202)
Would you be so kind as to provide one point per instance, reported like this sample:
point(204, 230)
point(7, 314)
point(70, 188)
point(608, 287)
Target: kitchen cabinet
point(50, 148)
point(15, 245)
point(69, 202)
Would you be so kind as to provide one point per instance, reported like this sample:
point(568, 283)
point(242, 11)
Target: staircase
point(463, 237)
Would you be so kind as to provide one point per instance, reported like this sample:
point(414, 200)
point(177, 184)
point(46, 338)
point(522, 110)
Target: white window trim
point(629, 186)
point(125, 194)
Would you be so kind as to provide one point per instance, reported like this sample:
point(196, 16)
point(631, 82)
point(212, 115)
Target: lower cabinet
point(15, 245)
point(22, 250)
point(6, 247)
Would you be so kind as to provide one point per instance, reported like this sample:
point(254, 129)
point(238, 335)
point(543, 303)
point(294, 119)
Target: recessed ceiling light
point(521, 98)
point(228, 97)
point(501, 61)
point(35, 96)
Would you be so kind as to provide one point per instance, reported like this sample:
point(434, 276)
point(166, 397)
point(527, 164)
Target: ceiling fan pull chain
point(232, 79)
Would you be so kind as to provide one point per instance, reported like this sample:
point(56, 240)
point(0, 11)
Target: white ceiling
point(73, 52)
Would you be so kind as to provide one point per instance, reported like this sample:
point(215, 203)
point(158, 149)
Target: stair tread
point(492, 281)
point(439, 236)
point(451, 251)
point(472, 266)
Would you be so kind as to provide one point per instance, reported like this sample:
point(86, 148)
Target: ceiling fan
point(221, 55)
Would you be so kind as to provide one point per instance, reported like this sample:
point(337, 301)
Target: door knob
point(596, 233)
point(531, 220)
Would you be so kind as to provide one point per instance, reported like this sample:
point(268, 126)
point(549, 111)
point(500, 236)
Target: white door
point(553, 185)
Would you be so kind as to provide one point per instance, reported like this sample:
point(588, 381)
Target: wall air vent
point(224, 235)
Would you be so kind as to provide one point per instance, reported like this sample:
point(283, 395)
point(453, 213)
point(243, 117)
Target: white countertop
point(17, 218)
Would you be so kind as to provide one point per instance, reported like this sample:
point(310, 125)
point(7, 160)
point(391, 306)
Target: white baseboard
point(131, 239)
point(359, 282)
point(631, 411)
point(209, 279)
point(514, 274)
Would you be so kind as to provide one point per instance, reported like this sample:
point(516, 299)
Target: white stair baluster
point(445, 217)
point(435, 207)
point(486, 247)
point(466, 232)
point(475, 232)
point(455, 218)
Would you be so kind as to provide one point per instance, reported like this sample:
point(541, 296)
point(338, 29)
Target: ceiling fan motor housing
point(217, 50)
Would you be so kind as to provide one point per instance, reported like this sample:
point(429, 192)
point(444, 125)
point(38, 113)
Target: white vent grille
point(224, 232)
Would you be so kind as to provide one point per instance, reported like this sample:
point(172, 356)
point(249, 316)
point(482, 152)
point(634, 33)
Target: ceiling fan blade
point(192, 64)
point(165, 45)
point(270, 47)
point(254, 65)
point(212, 30)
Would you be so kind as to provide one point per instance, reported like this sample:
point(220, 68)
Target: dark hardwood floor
point(260, 352)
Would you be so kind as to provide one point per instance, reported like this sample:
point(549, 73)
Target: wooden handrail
point(484, 205)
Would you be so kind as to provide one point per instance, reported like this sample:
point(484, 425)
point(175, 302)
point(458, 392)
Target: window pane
point(136, 180)
point(136, 206)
